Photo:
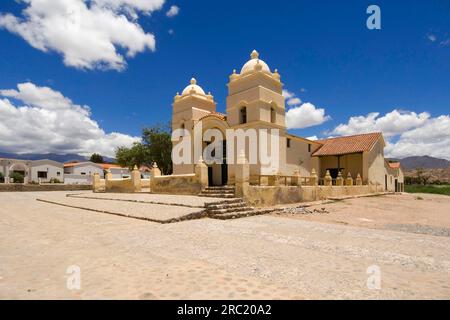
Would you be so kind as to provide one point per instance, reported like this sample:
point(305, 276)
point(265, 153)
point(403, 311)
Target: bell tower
point(254, 102)
point(255, 96)
point(188, 108)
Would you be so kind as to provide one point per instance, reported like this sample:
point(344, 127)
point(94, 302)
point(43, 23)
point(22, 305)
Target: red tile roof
point(348, 145)
point(394, 165)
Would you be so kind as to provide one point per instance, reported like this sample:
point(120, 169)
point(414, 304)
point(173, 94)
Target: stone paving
point(262, 257)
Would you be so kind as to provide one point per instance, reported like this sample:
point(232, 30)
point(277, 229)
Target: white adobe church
point(255, 100)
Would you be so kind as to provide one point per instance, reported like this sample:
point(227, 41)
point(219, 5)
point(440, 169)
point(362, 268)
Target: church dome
point(255, 63)
point(193, 88)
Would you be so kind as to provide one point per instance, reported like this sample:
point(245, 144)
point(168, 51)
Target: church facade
point(255, 103)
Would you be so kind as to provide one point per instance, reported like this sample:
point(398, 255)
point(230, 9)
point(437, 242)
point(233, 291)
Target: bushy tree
point(96, 158)
point(18, 178)
point(156, 146)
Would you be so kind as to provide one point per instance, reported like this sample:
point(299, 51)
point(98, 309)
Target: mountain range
point(425, 162)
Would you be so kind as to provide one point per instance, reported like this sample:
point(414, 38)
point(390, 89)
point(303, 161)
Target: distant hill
point(425, 162)
point(49, 156)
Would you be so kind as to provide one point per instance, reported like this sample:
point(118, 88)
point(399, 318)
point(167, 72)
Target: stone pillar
point(349, 180)
point(108, 175)
point(339, 180)
point(328, 181)
point(359, 180)
point(313, 179)
point(96, 182)
point(155, 172)
point(136, 179)
point(201, 172)
point(295, 179)
point(242, 175)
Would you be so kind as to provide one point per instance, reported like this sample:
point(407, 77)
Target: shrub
point(55, 180)
point(18, 178)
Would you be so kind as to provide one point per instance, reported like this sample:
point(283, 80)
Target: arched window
point(243, 116)
point(182, 129)
point(273, 115)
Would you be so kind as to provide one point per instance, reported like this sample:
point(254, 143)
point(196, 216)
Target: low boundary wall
point(16, 187)
point(261, 196)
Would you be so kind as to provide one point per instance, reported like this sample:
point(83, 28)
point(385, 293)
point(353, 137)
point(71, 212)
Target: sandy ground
point(400, 212)
point(262, 257)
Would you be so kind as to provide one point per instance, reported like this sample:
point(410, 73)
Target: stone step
point(217, 191)
point(228, 201)
point(232, 205)
point(220, 188)
point(242, 214)
point(229, 210)
point(217, 195)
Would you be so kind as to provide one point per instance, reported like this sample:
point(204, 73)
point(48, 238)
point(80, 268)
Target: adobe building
point(255, 101)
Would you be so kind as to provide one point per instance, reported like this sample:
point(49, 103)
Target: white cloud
point(294, 101)
point(173, 11)
point(304, 116)
point(291, 98)
point(44, 121)
point(431, 37)
point(89, 34)
point(407, 133)
point(391, 124)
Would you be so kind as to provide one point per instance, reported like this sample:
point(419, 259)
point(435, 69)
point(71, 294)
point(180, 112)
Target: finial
point(193, 81)
point(258, 66)
point(254, 55)
point(135, 168)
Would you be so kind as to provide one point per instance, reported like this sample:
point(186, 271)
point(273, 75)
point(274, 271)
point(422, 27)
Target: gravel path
point(262, 257)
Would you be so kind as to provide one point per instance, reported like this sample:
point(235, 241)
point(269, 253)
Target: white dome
point(193, 88)
point(255, 62)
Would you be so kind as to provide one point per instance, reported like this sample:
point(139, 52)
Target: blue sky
point(323, 50)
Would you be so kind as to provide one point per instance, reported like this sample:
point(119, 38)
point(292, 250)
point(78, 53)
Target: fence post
point(313, 181)
point(242, 175)
point(349, 180)
point(136, 179)
point(201, 172)
point(339, 180)
point(358, 180)
point(328, 181)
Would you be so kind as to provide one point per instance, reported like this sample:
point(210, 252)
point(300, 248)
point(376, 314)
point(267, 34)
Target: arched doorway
point(19, 168)
point(217, 172)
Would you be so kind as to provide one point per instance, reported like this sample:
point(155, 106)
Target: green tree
point(156, 146)
point(159, 143)
point(96, 158)
point(18, 178)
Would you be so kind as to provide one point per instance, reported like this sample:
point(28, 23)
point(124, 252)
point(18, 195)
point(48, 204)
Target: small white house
point(46, 170)
point(32, 171)
point(81, 172)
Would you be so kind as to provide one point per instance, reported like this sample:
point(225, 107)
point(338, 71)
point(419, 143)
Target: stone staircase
point(232, 209)
point(218, 192)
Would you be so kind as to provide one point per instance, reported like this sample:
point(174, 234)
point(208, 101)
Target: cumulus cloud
point(173, 11)
point(407, 133)
point(391, 124)
point(304, 116)
point(89, 34)
point(37, 119)
point(291, 98)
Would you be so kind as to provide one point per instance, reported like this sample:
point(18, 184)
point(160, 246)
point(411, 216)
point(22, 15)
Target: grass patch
point(445, 190)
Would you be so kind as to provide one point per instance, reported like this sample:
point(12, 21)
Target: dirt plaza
point(275, 256)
